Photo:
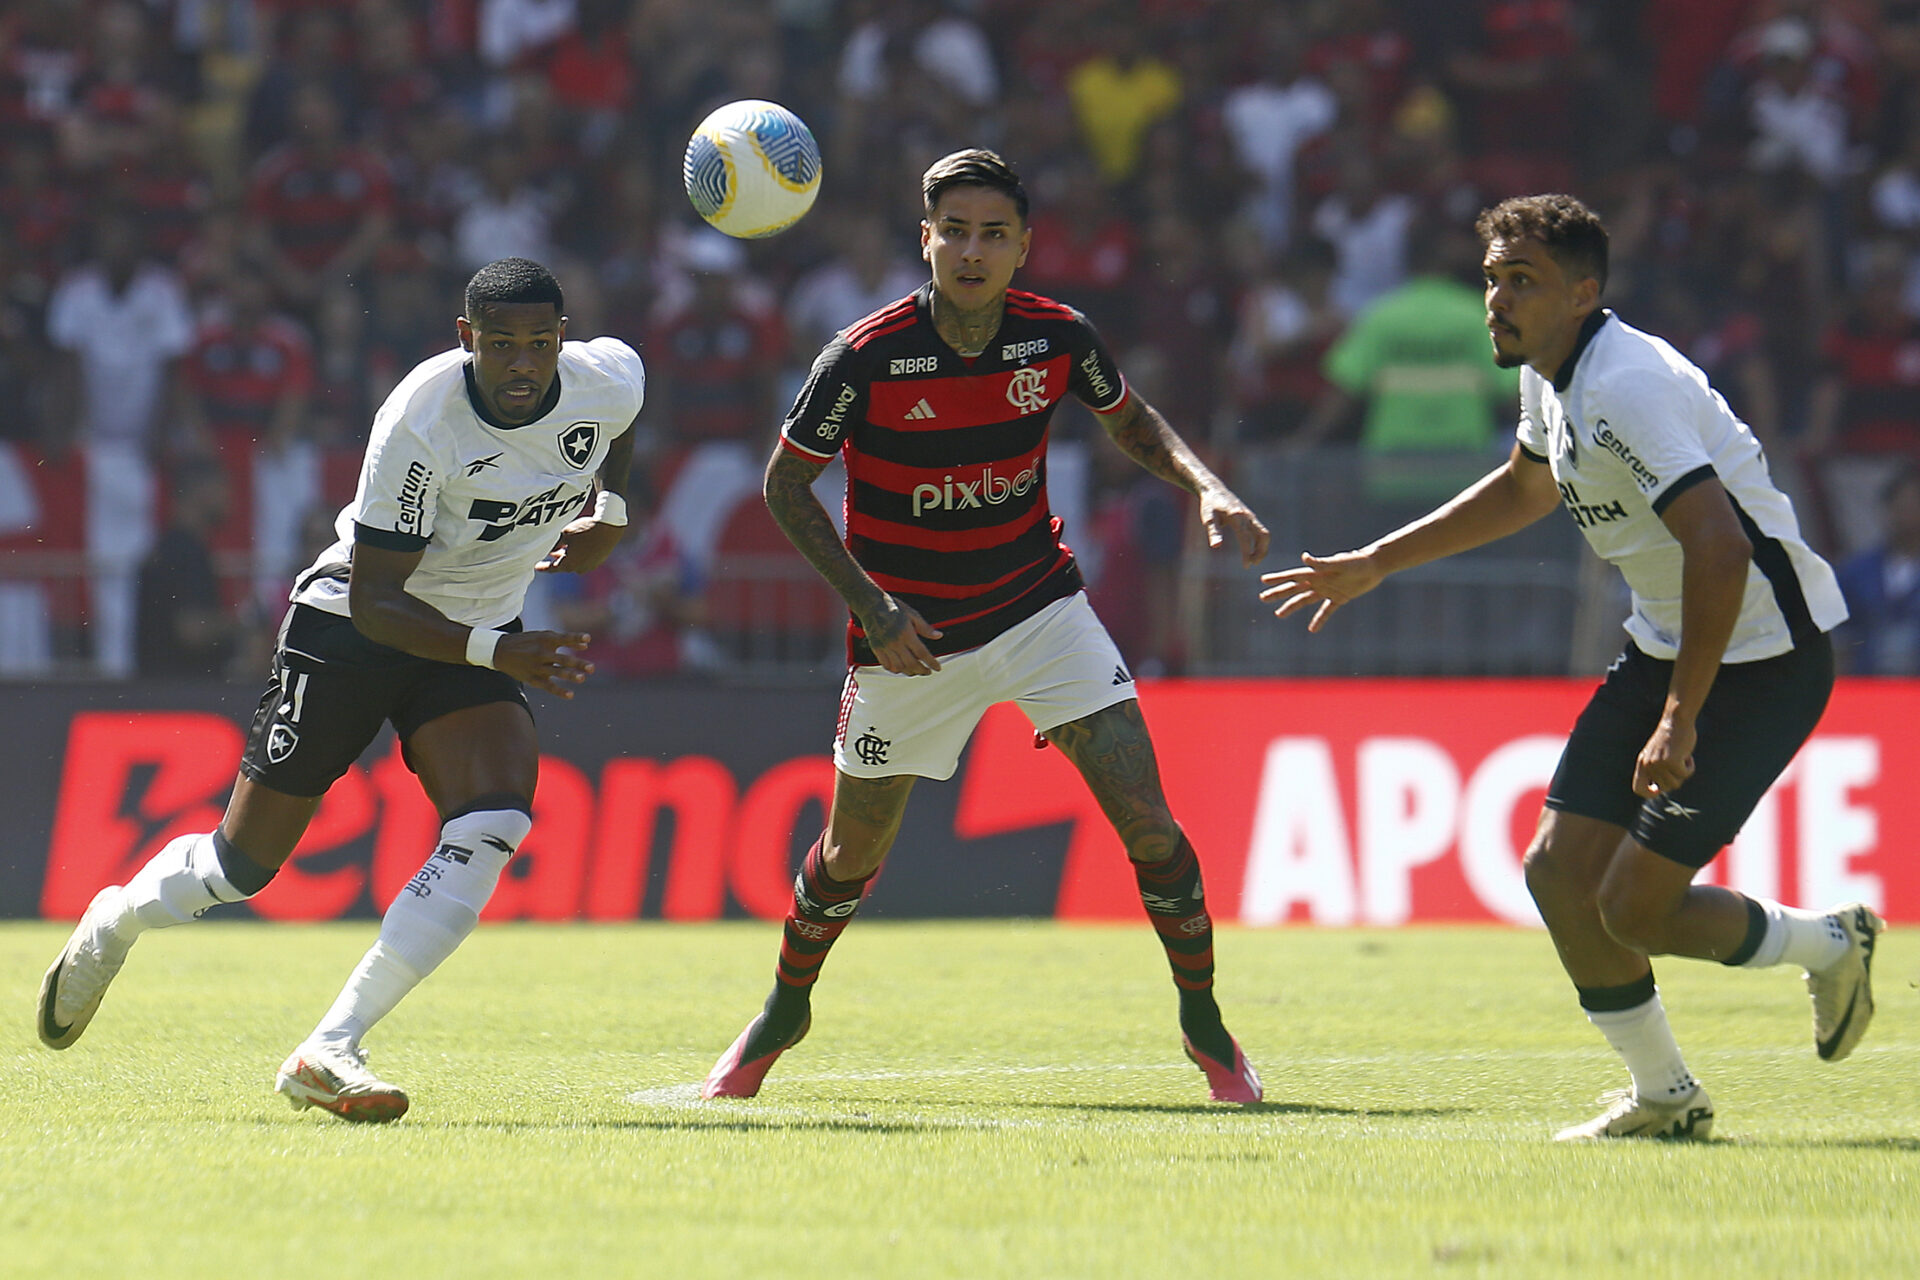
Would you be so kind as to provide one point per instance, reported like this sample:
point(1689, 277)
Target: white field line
point(689, 1092)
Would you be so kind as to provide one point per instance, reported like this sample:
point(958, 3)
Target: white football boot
point(336, 1078)
point(1843, 991)
point(1629, 1116)
point(81, 973)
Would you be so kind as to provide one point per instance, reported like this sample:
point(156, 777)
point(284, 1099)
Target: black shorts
point(332, 689)
point(1755, 718)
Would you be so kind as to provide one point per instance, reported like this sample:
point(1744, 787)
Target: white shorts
point(1058, 665)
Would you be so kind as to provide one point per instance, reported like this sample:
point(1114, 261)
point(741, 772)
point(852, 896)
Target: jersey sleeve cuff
point(788, 444)
point(1665, 498)
point(1126, 394)
point(387, 539)
point(1531, 456)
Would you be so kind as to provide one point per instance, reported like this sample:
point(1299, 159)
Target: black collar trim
point(479, 402)
point(1588, 327)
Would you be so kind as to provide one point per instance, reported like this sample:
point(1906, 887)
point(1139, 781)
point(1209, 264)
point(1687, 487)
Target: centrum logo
point(413, 499)
point(1027, 390)
point(989, 489)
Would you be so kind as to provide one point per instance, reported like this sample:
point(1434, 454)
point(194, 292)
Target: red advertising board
point(1313, 801)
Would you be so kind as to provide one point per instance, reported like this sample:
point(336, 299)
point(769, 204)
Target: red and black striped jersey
point(947, 458)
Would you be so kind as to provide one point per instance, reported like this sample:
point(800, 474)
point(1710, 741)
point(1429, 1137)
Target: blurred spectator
point(1183, 308)
point(40, 214)
point(1118, 94)
point(513, 30)
point(643, 607)
point(247, 391)
point(508, 217)
point(1085, 249)
point(712, 357)
point(123, 322)
point(865, 273)
point(320, 206)
point(1269, 120)
point(186, 629)
point(1513, 65)
point(1865, 416)
point(248, 378)
point(1881, 636)
point(1286, 322)
point(1418, 359)
point(1367, 226)
point(1798, 121)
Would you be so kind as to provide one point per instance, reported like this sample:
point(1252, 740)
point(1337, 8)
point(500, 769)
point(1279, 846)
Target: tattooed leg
point(865, 819)
point(1113, 753)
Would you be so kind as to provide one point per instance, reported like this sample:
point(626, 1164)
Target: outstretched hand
point(1326, 582)
point(1220, 511)
point(547, 660)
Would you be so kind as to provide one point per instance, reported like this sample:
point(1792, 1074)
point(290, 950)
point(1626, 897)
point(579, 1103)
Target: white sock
point(1641, 1036)
point(429, 918)
point(176, 886)
point(1811, 939)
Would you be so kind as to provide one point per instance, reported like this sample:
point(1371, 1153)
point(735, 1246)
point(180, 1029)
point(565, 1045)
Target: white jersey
point(1628, 426)
point(483, 500)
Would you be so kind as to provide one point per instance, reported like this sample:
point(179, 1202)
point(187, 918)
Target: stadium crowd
point(227, 227)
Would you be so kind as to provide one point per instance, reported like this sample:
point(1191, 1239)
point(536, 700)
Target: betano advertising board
point(1328, 802)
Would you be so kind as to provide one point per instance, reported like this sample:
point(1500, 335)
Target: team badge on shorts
point(577, 441)
point(281, 740)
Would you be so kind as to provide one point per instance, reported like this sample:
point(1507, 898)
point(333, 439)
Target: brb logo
point(1027, 390)
point(988, 490)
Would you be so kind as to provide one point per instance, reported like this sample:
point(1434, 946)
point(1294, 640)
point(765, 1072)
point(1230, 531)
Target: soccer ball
point(752, 169)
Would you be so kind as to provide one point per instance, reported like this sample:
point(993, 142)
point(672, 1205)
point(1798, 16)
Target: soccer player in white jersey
point(1727, 667)
point(506, 455)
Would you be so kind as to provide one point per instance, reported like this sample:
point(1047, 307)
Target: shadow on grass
point(1889, 1143)
point(1249, 1108)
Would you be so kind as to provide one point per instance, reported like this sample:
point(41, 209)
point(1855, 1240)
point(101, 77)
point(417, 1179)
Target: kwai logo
point(989, 490)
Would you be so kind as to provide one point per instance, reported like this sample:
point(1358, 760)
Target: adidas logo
point(921, 412)
point(1120, 676)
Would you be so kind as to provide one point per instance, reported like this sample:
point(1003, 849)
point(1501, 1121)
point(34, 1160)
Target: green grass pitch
point(993, 1099)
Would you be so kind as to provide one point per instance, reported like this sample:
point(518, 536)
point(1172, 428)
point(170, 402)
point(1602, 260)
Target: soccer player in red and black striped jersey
point(962, 593)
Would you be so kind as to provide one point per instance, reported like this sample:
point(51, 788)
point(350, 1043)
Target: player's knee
point(1629, 916)
point(1151, 837)
point(1553, 878)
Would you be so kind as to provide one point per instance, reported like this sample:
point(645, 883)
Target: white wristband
point(481, 643)
point(610, 508)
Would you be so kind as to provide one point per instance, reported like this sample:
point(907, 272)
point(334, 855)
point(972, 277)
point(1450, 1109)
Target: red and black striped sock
point(822, 908)
point(1175, 900)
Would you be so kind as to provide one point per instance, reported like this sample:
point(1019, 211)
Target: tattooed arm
point(1145, 436)
point(894, 630)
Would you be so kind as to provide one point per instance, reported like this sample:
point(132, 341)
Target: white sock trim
point(1812, 940)
point(176, 886)
point(1641, 1037)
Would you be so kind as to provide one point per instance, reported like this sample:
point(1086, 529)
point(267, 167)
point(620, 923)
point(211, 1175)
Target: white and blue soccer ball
point(752, 169)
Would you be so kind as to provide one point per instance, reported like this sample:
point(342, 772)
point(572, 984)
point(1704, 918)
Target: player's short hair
point(1572, 233)
point(974, 167)
point(510, 281)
